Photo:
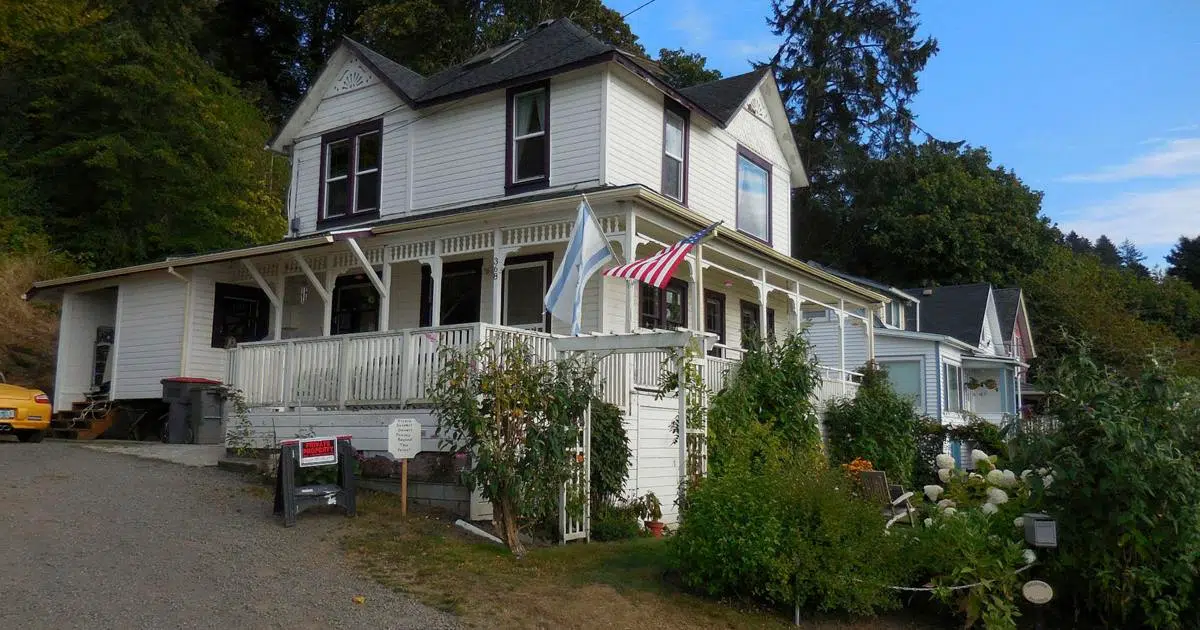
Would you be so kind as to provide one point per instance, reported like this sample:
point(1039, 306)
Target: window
point(240, 314)
point(528, 149)
point(893, 315)
point(526, 279)
point(674, 163)
point(954, 394)
point(753, 195)
point(751, 326)
point(462, 284)
point(355, 306)
point(714, 318)
point(905, 377)
point(664, 308)
point(813, 314)
point(350, 169)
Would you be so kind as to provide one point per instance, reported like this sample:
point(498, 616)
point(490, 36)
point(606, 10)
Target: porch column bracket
point(435, 276)
point(262, 283)
point(763, 291)
point(499, 254)
point(366, 266)
point(317, 285)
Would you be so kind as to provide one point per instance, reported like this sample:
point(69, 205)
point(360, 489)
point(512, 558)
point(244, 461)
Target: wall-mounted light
point(728, 283)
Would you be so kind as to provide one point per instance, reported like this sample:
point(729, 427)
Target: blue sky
point(1096, 103)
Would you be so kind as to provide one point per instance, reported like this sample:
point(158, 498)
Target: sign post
point(404, 442)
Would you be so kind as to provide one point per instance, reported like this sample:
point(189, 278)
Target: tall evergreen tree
point(1184, 260)
point(1132, 257)
point(848, 71)
point(1107, 252)
point(1078, 244)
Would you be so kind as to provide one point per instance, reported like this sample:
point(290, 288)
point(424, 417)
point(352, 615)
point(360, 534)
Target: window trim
point(920, 404)
point(672, 107)
point(746, 305)
point(425, 316)
point(512, 261)
point(512, 187)
point(223, 291)
point(351, 134)
point(755, 159)
point(723, 332)
point(958, 370)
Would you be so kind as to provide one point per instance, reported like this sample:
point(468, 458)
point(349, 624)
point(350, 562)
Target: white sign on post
point(404, 438)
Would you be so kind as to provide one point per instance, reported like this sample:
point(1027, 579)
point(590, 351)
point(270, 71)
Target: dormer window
point(350, 167)
point(528, 151)
point(753, 195)
point(674, 161)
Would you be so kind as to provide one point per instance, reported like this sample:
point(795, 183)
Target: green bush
point(1125, 490)
point(610, 453)
point(878, 425)
point(787, 538)
point(977, 433)
point(614, 522)
point(764, 419)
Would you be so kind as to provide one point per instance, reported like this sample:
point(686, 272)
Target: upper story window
point(753, 195)
point(954, 387)
point(528, 149)
point(674, 161)
point(350, 169)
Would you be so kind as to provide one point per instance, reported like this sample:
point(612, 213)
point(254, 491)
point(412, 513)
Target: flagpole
point(600, 228)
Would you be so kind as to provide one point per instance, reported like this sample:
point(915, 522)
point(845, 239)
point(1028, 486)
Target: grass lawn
point(610, 585)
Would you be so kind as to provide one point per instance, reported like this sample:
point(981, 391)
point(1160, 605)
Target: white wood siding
point(895, 348)
point(306, 162)
point(150, 339)
point(823, 335)
point(635, 128)
point(349, 108)
point(575, 112)
point(654, 455)
point(458, 152)
point(405, 306)
point(393, 199)
point(82, 312)
point(205, 361)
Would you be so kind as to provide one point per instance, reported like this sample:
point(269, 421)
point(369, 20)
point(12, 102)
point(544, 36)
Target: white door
point(524, 292)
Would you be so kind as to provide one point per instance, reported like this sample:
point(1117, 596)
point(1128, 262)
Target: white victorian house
point(427, 211)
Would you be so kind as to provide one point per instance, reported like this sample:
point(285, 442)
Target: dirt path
point(100, 540)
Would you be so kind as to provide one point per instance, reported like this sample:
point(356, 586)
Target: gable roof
point(958, 311)
point(1007, 303)
point(724, 97)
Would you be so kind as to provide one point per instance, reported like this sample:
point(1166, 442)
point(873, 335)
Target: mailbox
point(1041, 531)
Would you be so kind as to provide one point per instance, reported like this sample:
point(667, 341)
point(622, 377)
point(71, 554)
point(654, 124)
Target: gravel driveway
point(100, 540)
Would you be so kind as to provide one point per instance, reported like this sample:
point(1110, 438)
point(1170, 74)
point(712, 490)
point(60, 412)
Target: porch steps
point(82, 422)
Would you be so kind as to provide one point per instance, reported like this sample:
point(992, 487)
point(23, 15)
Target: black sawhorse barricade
point(290, 500)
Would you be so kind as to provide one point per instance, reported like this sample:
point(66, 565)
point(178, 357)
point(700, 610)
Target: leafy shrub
point(614, 522)
point(1125, 491)
point(790, 537)
point(764, 419)
point(610, 453)
point(932, 435)
point(878, 425)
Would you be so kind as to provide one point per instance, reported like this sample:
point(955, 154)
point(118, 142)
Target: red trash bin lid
point(191, 379)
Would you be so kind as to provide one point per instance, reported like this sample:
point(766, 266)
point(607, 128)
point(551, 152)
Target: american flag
point(658, 269)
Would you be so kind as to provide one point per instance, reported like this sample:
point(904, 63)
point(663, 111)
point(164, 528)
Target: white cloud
point(1172, 158)
point(753, 50)
point(1147, 218)
point(695, 23)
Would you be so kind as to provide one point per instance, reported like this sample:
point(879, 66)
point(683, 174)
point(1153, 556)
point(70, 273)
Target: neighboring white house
point(432, 211)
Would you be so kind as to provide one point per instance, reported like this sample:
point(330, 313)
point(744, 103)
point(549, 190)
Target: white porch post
point(797, 302)
point(683, 419)
point(698, 290)
point(499, 258)
point(327, 320)
point(276, 305)
point(385, 299)
point(277, 325)
point(762, 304)
point(870, 324)
point(319, 287)
point(435, 276)
point(842, 342)
point(631, 309)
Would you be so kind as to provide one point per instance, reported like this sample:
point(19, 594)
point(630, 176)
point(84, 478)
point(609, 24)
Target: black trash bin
point(191, 414)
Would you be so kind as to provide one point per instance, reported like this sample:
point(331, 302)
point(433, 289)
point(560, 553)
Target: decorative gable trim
point(354, 75)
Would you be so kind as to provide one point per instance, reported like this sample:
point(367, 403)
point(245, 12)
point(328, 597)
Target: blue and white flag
point(587, 251)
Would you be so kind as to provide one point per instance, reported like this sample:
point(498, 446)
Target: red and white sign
point(321, 451)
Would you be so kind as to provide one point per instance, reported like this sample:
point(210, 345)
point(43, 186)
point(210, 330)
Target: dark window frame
point(684, 113)
point(661, 298)
point(745, 306)
point(349, 133)
point(426, 317)
point(755, 159)
point(547, 258)
point(512, 187)
point(222, 292)
point(342, 285)
point(721, 334)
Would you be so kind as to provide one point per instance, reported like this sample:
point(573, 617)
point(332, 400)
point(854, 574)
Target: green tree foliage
point(1132, 259)
point(794, 537)
point(429, 35)
point(939, 207)
point(610, 453)
point(764, 419)
point(517, 415)
point(686, 69)
point(1125, 491)
point(878, 425)
point(1107, 251)
point(131, 147)
point(1078, 244)
point(848, 71)
point(1184, 261)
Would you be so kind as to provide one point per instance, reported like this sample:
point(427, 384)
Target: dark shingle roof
point(409, 83)
point(1007, 302)
point(723, 97)
point(957, 311)
point(866, 282)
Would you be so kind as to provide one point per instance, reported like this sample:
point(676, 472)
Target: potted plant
point(650, 511)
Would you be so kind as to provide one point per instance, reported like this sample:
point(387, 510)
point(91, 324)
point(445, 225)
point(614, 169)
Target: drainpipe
point(186, 348)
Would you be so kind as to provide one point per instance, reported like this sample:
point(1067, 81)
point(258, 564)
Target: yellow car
point(24, 412)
